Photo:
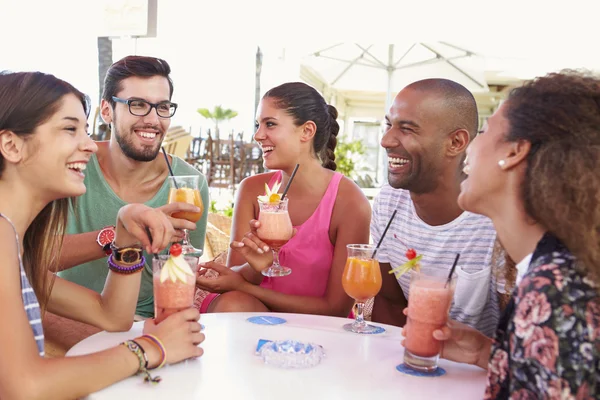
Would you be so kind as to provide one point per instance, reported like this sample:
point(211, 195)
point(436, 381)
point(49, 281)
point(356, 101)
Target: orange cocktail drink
point(361, 280)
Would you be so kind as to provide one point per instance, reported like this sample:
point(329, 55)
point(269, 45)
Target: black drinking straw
point(289, 182)
point(452, 269)
point(169, 165)
point(150, 237)
point(384, 232)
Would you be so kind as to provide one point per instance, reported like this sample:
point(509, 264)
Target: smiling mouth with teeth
point(77, 167)
point(397, 162)
point(147, 135)
point(268, 149)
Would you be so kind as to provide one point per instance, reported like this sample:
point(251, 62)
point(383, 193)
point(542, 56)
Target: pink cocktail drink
point(176, 292)
point(429, 302)
point(275, 230)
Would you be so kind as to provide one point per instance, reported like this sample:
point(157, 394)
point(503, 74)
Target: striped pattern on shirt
point(30, 302)
point(471, 235)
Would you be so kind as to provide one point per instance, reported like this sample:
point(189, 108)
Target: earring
point(501, 163)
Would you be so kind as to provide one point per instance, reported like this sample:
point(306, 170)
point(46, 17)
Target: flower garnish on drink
point(271, 195)
point(412, 263)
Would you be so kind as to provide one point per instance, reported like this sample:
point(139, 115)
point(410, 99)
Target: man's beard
point(146, 154)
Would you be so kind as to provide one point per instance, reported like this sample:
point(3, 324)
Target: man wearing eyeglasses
point(128, 168)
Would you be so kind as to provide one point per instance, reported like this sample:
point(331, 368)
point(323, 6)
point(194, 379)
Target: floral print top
point(547, 345)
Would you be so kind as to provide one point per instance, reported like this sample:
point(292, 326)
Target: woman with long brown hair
point(535, 171)
point(294, 126)
point(44, 149)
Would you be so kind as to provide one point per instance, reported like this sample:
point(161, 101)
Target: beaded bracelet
point(139, 351)
point(160, 346)
point(125, 270)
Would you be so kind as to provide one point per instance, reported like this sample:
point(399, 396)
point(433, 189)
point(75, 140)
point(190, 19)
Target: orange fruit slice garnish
point(274, 198)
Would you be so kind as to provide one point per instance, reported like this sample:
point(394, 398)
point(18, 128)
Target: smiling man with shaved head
point(428, 128)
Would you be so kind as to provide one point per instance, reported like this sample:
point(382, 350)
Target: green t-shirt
point(98, 208)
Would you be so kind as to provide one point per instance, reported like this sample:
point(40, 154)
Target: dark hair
point(559, 114)
point(134, 66)
point(27, 100)
point(304, 103)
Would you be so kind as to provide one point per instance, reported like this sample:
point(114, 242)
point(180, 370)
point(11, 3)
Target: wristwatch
point(105, 238)
point(127, 254)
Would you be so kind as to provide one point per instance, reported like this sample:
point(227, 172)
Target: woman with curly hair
point(535, 171)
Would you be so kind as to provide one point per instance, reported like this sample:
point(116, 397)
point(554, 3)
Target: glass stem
point(360, 319)
point(186, 238)
point(276, 259)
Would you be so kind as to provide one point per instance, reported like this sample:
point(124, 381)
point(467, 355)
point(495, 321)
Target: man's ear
point(308, 131)
point(458, 142)
point(11, 146)
point(106, 111)
point(517, 152)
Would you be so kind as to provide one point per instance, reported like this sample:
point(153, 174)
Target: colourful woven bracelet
point(125, 270)
point(140, 353)
point(160, 346)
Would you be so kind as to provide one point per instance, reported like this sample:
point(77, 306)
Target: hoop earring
point(501, 163)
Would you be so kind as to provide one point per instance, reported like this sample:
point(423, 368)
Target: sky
point(211, 45)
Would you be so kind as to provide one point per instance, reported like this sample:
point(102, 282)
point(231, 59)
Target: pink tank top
point(310, 253)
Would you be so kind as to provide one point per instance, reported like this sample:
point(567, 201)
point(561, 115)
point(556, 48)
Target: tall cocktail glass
point(185, 189)
point(429, 300)
point(173, 294)
point(275, 230)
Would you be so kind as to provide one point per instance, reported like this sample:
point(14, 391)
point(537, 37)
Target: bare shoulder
point(8, 248)
point(7, 234)
point(255, 185)
point(352, 201)
point(349, 193)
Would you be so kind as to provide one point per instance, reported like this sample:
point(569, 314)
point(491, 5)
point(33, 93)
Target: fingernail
point(266, 248)
point(260, 251)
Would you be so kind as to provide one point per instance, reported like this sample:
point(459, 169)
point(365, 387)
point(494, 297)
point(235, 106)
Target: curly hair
point(559, 114)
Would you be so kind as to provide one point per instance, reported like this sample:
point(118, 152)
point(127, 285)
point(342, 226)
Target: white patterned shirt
point(472, 235)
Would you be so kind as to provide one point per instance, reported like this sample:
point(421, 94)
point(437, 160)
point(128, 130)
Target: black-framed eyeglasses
point(141, 108)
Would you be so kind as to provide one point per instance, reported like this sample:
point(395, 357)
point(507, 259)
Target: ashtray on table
point(291, 353)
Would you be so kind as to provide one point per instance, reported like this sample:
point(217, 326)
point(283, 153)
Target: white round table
point(355, 366)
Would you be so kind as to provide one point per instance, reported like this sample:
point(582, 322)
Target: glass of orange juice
point(361, 280)
point(184, 189)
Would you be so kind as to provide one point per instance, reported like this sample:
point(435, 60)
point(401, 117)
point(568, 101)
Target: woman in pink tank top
point(294, 126)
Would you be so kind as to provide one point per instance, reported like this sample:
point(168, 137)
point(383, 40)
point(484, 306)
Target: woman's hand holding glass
point(461, 343)
point(179, 333)
point(256, 252)
point(226, 281)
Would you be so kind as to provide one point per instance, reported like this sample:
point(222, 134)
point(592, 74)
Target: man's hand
point(179, 224)
point(134, 221)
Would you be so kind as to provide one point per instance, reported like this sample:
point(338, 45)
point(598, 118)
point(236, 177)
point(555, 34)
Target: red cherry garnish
point(175, 249)
point(411, 253)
